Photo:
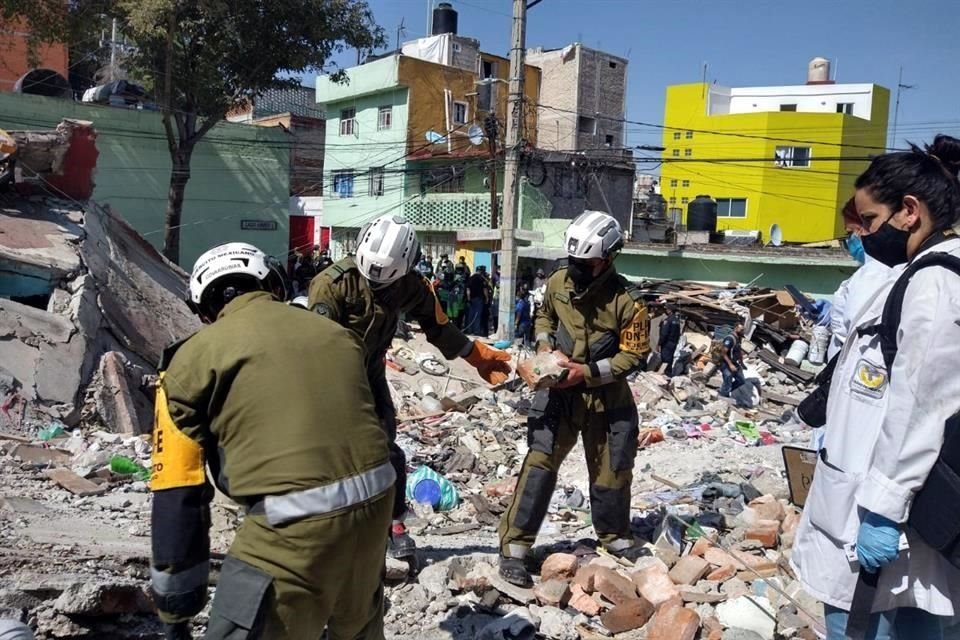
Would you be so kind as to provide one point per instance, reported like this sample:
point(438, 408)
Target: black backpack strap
point(892, 309)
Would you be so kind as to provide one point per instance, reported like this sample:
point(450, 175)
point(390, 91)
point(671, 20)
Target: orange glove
point(492, 364)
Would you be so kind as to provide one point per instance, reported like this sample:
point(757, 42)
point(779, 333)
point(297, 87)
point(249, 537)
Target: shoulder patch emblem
point(869, 379)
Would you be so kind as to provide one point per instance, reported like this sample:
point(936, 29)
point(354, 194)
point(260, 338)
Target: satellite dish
point(475, 133)
point(776, 235)
point(433, 137)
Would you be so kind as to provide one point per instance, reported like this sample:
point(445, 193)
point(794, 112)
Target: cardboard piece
point(800, 464)
point(779, 311)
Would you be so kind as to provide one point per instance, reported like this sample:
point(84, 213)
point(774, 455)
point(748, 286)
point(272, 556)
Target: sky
point(743, 43)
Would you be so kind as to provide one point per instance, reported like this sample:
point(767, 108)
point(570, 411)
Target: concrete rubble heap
point(91, 307)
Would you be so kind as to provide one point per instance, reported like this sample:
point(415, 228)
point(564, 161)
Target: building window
point(673, 200)
point(676, 213)
point(676, 135)
point(443, 180)
point(459, 113)
point(385, 117)
point(673, 182)
point(686, 183)
point(688, 152)
point(586, 125)
point(688, 135)
point(608, 140)
point(343, 183)
point(684, 200)
point(676, 153)
point(348, 122)
point(788, 107)
point(376, 182)
point(792, 157)
point(613, 65)
point(845, 107)
point(731, 207)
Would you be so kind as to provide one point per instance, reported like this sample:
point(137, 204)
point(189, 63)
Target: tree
point(202, 58)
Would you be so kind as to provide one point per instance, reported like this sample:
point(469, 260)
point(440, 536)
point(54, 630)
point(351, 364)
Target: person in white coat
point(885, 428)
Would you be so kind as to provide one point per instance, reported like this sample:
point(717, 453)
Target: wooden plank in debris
point(795, 373)
point(41, 455)
point(792, 401)
point(74, 483)
point(455, 529)
point(10, 436)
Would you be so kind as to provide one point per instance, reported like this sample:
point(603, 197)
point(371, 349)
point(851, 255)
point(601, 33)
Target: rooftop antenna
point(429, 18)
point(896, 110)
point(703, 86)
point(400, 32)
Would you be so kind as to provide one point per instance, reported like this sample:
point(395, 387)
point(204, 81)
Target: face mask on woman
point(887, 244)
point(855, 248)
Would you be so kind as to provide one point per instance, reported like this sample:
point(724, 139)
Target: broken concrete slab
point(22, 505)
point(41, 455)
point(103, 599)
point(75, 484)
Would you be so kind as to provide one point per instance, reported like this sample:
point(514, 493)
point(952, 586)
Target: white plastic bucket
point(797, 351)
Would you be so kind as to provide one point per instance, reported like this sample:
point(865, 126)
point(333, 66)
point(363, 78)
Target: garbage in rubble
point(54, 430)
point(542, 371)
point(426, 486)
point(125, 466)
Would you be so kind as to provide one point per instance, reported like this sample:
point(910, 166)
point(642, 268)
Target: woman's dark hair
point(928, 174)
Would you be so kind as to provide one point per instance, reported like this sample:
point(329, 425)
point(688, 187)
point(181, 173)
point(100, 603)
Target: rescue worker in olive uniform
point(367, 293)
point(598, 321)
point(294, 440)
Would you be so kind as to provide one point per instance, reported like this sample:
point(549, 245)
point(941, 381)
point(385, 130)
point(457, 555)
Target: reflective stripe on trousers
point(335, 496)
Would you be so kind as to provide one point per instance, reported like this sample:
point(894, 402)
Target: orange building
point(14, 58)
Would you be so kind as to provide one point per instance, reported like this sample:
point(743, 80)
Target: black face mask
point(887, 244)
point(580, 272)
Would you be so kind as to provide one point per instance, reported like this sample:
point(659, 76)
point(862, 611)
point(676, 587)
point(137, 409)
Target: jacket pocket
point(623, 437)
point(832, 501)
point(239, 609)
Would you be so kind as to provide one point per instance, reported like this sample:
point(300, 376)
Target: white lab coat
point(848, 302)
point(883, 435)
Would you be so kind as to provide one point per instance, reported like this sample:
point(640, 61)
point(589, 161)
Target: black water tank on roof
point(702, 214)
point(444, 19)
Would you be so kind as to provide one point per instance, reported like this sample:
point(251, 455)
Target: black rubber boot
point(401, 544)
point(514, 571)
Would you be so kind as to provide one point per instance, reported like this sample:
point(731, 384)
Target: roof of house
point(300, 101)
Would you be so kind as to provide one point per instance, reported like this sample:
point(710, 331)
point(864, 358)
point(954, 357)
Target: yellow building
point(784, 155)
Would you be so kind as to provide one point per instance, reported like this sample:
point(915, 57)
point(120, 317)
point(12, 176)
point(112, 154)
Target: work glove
point(878, 542)
point(493, 365)
point(177, 631)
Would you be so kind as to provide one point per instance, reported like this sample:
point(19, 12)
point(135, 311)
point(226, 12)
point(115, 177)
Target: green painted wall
point(819, 280)
point(239, 172)
point(366, 147)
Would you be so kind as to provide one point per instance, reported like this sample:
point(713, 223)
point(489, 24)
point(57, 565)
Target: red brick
point(561, 566)
point(627, 616)
point(718, 557)
point(613, 586)
point(655, 584)
point(700, 546)
point(766, 537)
point(554, 593)
point(501, 488)
point(722, 573)
point(585, 578)
point(582, 602)
point(712, 628)
point(768, 507)
point(752, 561)
point(689, 569)
point(674, 623)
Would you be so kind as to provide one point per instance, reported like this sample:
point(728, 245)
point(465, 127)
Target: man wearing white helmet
point(597, 321)
point(294, 440)
point(367, 293)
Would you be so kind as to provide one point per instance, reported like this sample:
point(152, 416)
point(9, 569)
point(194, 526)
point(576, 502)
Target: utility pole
point(113, 50)
point(511, 178)
point(896, 110)
point(400, 32)
point(490, 126)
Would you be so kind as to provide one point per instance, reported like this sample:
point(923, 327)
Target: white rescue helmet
point(300, 301)
point(230, 263)
point(593, 234)
point(387, 249)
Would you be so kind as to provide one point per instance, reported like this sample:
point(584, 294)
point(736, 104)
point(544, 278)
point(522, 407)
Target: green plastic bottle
point(125, 466)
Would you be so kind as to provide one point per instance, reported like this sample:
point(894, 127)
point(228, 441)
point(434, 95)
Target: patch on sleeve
point(177, 459)
point(869, 379)
point(633, 337)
